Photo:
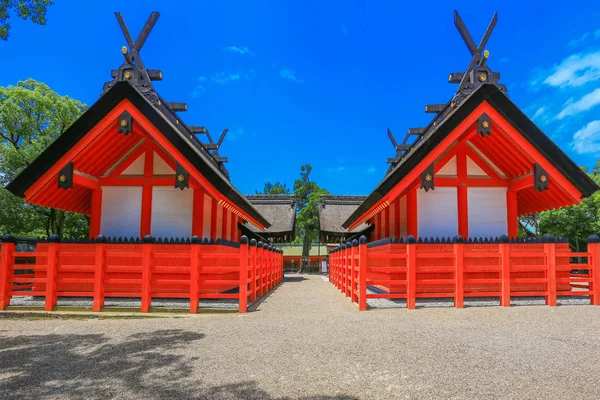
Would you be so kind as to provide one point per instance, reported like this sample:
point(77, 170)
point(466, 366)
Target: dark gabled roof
point(160, 118)
point(334, 210)
point(509, 111)
point(278, 209)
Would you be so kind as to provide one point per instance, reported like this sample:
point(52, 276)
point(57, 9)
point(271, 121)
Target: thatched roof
point(334, 210)
point(278, 209)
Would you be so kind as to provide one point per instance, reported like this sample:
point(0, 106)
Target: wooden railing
point(146, 269)
point(457, 269)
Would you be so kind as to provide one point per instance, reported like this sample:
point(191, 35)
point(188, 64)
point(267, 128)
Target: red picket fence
point(146, 270)
point(490, 268)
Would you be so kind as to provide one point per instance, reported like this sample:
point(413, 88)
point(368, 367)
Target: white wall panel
point(172, 212)
point(136, 168)
point(121, 211)
point(449, 168)
point(161, 167)
point(487, 212)
point(437, 212)
point(474, 169)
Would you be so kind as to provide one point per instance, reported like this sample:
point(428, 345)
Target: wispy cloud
point(587, 139)
point(222, 78)
point(288, 74)
point(235, 134)
point(575, 70)
point(539, 112)
point(574, 107)
point(199, 90)
point(371, 170)
point(240, 50)
point(586, 37)
point(336, 169)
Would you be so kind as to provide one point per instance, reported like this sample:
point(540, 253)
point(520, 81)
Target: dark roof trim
point(89, 119)
point(513, 115)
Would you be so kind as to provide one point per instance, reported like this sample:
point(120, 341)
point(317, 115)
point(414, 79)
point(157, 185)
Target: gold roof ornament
point(485, 124)
point(127, 75)
point(124, 50)
point(124, 123)
point(543, 178)
point(180, 178)
point(62, 178)
point(428, 177)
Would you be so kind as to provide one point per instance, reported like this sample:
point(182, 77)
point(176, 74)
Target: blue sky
point(319, 82)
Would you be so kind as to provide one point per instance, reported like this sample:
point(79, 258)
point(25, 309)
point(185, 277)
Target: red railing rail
point(146, 269)
point(459, 269)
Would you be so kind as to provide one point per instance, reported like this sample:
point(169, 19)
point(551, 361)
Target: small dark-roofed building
point(333, 212)
point(280, 211)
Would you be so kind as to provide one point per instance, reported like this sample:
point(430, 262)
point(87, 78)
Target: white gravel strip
point(123, 302)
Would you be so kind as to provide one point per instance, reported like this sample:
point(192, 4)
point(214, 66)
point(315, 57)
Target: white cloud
point(574, 107)
point(371, 170)
point(575, 70)
point(223, 78)
point(240, 50)
point(199, 90)
point(288, 74)
point(336, 169)
point(539, 112)
point(587, 139)
point(585, 38)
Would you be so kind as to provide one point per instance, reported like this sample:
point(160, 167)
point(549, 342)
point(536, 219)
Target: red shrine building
point(135, 168)
point(477, 167)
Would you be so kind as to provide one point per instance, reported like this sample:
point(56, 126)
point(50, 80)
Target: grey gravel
point(122, 302)
point(307, 341)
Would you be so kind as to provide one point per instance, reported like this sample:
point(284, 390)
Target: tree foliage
point(576, 222)
point(308, 194)
point(24, 9)
point(274, 188)
point(31, 117)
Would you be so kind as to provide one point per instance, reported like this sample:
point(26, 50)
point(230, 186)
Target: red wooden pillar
point(213, 219)
point(459, 286)
point(412, 221)
point(511, 214)
point(594, 262)
point(397, 218)
point(385, 217)
point(253, 269)
point(233, 229)
point(353, 271)
point(462, 195)
point(243, 304)
point(96, 213)
point(411, 273)
point(224, 227)
point(146, 217)
point(52, 272)
point(505, 272)
point(99, 263)
point(550, 250)
point(146, 273)
point(194, 272)
point(362, 274)
point(198, 213)
point(7, 262)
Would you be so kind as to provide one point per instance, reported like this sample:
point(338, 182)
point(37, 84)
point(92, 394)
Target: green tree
point(308, 194)
point(274, 188)
point(24, 9)
point(577, 222)
point(31, 117)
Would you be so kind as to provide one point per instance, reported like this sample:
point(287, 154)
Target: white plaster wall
point(437, 212)
point(474, 169)
point(449, 169)
point(136, 167)
point(161, 167)
point(121, 211)
point(487, 212)
point(172, 212)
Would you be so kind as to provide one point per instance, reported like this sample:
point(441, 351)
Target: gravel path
point(305, 340)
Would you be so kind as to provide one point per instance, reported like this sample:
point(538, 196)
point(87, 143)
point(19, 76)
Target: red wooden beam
point(96, 213)
point(224, 226)
point(462, 195)
point(85, 181)
point(213, 219)
point(511, 214)
point(412, 213)
point(162, 181)
point(130, 159)
point(146, 218)
point(397, 218)
point(471, 182)
point(521, 183)
point(198, 213)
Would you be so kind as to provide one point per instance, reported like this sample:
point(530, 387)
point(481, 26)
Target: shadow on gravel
point(293, 279)
point(143, 365)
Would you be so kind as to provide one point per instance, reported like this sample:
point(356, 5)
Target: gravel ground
point(87, 302)
point(306, 341)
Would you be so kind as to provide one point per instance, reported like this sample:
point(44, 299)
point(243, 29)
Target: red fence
point(143, 269)
point(458, 269)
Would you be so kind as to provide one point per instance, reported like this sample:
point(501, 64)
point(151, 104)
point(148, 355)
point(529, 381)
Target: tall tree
point(31, 117)
point(308, 194)
point(24, 9)
point(577, 222)
point(274, 188)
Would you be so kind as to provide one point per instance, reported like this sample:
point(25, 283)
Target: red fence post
point(53, 249)
point(505, 271)
point(459, 283)
point(353, 271)
point(594, 263)
point(346, 267)
point(146, 272)
point(253, 269)
point(99, 262)
point(261, 265)
point(362, 274)
point(244, 274)
point(194, 274)
point(411, 272)
point(550, 250)
point(6, 269)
